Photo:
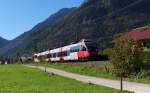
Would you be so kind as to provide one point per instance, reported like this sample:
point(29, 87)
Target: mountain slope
point(3, 42)
point(18, 42)
point(95, 19)
point(90, 21)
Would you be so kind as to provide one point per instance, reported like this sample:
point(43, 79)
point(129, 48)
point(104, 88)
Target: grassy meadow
point(20, 79)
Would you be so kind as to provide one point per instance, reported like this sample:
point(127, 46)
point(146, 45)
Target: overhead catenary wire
point(117, 11)
point(112, 14)
point(108, 15)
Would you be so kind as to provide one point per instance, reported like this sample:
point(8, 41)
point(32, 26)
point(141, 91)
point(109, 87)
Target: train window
point(54, 55)
point(65, 53)
point(92, 48)
point(75, 49)
point(71, 51)
point(48, 55)
point(59, 54)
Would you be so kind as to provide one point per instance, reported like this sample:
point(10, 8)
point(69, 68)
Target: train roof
point(43, 53)
point(65, 48)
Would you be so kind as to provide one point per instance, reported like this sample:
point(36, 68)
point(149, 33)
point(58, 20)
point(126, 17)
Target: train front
point(89, 50)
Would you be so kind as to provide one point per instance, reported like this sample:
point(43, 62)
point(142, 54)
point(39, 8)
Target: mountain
point(18, 42)
point(3, 42)
point(99, 20)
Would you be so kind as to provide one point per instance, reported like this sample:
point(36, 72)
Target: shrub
point(125, 57)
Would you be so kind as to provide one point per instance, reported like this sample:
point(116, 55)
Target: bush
point(140, 75)
point(125, 57)
point(146, 65)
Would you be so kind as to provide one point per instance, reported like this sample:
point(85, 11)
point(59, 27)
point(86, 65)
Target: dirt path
point(136, 87)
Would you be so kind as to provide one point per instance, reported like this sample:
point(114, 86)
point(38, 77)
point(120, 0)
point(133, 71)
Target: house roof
point(138, 33)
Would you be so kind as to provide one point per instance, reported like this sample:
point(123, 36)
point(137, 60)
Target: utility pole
point(121, 81)
point(121, 77)
point(45, 66)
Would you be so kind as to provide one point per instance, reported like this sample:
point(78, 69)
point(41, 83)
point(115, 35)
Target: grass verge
point(98, 71)
point(20, 79)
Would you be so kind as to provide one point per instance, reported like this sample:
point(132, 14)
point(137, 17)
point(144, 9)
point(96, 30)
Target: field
point(19, 79)
point(99, 71)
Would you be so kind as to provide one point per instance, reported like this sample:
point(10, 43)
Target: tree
point(125, 57)
point(19, 61)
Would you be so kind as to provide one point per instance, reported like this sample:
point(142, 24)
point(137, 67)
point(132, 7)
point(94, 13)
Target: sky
point(18, 16)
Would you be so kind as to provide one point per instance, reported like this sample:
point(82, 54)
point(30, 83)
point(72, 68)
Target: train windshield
point(91, 45)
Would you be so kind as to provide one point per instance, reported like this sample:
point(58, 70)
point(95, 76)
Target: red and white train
point(82, 50)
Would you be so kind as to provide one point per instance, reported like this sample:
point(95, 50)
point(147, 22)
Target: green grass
point(83, 69)
point(20, 79)
point(98, 71)
point(146, 55)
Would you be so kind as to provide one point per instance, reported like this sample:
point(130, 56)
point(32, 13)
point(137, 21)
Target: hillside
point(3, 42)
point(95, 19)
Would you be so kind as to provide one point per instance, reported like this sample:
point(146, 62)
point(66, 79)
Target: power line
point(115, 12)
point(111, 14)
point(119, 10)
